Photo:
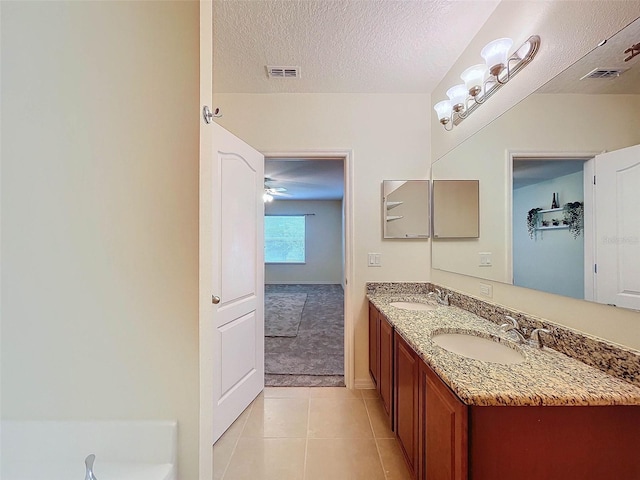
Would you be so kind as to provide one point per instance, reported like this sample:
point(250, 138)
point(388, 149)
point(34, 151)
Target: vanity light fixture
point(483, 80)
point(267, 197)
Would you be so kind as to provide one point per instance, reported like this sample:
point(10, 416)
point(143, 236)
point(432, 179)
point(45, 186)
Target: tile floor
point(310, 433)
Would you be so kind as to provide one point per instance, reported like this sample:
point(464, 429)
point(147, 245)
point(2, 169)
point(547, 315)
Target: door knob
point(215, 300)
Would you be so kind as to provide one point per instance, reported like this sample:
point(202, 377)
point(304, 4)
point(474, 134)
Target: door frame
point(349, 327)
point(205, 258)
point(589, 203)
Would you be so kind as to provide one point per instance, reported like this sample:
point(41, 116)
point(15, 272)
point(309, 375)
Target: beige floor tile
point(379, 419)
point(222, 451)
point(338, 418)
point(267, 459)
point(343, 459)
point(286, 392)
point(392, 460)
point(369, 393)
point(236, 427)
point(334, 392)
point(223, 448)
point(278, 417)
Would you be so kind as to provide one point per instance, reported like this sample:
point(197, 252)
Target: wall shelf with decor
point(541, 221)
point(571, 219)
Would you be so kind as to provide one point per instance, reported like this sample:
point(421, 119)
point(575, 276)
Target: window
point(284, 239)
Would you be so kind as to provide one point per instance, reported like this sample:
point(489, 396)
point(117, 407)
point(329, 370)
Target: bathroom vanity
point(545, 416)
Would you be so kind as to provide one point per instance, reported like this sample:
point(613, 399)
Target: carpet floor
point(315, 357)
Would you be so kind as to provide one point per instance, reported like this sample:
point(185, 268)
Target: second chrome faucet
point(535, 339)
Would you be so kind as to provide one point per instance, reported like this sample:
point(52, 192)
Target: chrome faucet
point(88, 462)
point(534, 337)
point(513, 326)
point(440, 297)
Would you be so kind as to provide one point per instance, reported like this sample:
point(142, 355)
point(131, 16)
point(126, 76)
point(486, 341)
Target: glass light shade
point(474, 77)
point(496, 53)
point(458, 96)
point(266, 197)
point(443, 109)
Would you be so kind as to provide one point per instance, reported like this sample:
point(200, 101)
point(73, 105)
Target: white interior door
point(238, 277)
point(617, 219)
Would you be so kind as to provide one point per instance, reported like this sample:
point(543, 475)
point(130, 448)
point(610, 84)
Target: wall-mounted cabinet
point(456, 209)
point(405, 209)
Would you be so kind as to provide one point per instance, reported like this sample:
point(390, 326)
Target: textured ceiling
point(341, 46)
point(306, 179)
point(608, 56)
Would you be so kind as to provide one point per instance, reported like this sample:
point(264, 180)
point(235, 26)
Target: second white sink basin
point(413, 306)
point(478, 348)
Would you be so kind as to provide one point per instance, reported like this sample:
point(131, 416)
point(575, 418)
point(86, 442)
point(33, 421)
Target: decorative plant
point(532, 220)
point(574, 217)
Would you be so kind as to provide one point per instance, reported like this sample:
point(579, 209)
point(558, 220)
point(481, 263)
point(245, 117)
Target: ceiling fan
point(271, 191)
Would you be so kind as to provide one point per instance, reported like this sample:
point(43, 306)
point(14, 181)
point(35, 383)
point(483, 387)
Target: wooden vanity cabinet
point(442, 429)
point(385, 354)
point(374, 344)
point(406, 369)
point(441, 438)
point(381, 358)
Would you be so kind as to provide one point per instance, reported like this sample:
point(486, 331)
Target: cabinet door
point(374, 365)
point(446, 431)
point(406, 400)
point(385, 355)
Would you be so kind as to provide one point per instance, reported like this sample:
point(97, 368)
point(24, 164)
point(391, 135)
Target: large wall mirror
point(551, 145)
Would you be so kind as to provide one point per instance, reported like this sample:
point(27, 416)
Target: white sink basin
point(413, 306)
point(478, 348)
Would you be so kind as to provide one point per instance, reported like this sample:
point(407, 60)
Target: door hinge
point(594, 179)
point(595, 268)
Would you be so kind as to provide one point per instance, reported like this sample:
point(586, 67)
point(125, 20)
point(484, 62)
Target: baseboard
point(363, 384)
point(306, 282)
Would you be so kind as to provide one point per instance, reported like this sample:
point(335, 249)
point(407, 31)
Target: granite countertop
point(545, 377)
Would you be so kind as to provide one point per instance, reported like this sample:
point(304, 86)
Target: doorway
point(546, 254)
point(307, 247)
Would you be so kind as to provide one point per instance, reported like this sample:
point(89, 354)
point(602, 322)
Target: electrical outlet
point(485, 259)
point(374, 260)
point(486, 290)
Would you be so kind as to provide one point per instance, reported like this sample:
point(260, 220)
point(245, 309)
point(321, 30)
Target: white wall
point(553, 261)
point(323, 262)
point(568, 31)
point(389, 137)
point(100, 213)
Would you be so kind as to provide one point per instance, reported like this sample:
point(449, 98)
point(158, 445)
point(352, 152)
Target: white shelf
point(391, 205)
point(551, 210)
point(553, 227)
point(391, 218)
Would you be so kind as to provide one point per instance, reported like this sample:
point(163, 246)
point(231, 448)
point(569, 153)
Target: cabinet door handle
point(215, 299)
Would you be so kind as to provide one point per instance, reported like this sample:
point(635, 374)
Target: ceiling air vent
point(283, 72)
point(605, 73)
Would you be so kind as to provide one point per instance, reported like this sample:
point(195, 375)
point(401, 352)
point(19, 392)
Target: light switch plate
point(374, 260)
point(485, 259)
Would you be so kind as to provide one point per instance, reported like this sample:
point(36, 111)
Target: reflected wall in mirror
point(405, 208)
point(569, 118)
point(455, 209)
point(543, 243)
